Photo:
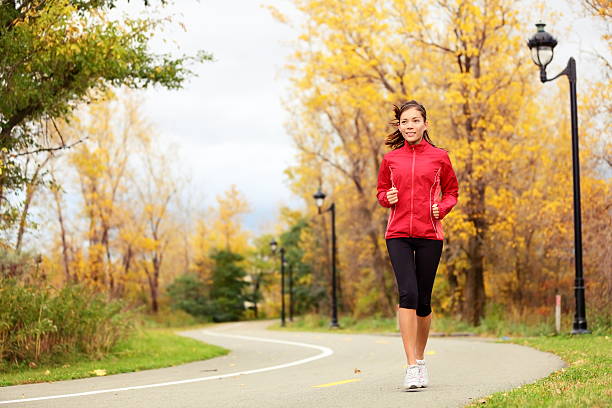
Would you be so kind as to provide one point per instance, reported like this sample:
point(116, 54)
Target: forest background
point(120, 217)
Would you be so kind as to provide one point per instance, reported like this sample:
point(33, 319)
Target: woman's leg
point(402, 259)
point(427, 258)
point(423, 325)
point(408, 329)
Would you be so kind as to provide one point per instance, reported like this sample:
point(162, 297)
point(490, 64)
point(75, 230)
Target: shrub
point(227, 289)
point(41, 323)
point(188, 293)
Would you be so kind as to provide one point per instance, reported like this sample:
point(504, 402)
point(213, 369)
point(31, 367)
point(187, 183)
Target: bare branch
point(50, 149)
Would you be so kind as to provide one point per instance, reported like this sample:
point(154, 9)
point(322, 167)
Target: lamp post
point(319, 197)
point(290, 266)
point(542, 45)
point(273, 246)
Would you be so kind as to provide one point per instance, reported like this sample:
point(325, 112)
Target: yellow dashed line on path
point(336, 383)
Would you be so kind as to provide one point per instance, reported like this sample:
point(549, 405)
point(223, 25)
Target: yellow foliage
point(468, 63)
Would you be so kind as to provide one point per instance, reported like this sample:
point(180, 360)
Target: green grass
point(586, 382)
point(313, 322)
point(495, 324)
point(490, 327)
point(146, 349)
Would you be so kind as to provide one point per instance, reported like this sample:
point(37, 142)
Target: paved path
point(290, 369)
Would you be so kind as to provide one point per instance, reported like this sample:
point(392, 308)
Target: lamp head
point(319, 196)
point(541, 45)
point(273, 246)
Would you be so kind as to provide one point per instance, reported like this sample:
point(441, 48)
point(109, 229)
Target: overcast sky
point(228, 122)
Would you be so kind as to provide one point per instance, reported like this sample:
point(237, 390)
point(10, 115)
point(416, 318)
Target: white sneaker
point(423, 375)
point(411, 381)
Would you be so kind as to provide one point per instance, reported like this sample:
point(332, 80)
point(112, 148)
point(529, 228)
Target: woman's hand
point(436, 211)
point(392, 195)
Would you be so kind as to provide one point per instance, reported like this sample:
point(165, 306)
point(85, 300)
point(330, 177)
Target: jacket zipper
point(412, 192)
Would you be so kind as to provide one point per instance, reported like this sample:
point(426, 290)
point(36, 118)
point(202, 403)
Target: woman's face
point(412, 125)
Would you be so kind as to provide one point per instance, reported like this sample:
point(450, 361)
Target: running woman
point(416, 180)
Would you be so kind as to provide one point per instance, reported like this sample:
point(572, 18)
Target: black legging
point(415, 261)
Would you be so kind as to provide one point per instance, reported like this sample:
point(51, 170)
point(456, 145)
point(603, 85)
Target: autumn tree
point(157, 190)
point(467, 62)
point(123, 233)
point(57, 54)
point(104, 167)
point(601, 8)
point(220, 229)
point(226, 229)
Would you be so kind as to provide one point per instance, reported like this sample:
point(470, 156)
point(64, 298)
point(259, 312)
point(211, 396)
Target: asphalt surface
point(298, 369)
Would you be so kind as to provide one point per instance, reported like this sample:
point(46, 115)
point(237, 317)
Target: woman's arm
point(384, 184)
point(449, 186)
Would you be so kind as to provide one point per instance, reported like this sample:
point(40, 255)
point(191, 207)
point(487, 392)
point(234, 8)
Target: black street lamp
point(273, 246)
point(542, 45)
point(290, 266)
point(319, 197)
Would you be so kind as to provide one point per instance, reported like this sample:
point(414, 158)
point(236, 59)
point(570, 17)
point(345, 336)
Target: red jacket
point(423, 175)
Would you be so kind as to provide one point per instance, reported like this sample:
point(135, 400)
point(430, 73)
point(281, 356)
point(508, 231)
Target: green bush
point(41, 323)
point(188, 293)
point(227, 289)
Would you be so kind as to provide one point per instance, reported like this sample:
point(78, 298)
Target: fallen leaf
point(357, 371)
point(66, 365)
point(32, 364)
point(430, 352)
point(98, 372)
point(47, 372)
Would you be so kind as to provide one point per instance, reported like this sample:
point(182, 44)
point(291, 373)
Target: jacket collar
point(421, 146)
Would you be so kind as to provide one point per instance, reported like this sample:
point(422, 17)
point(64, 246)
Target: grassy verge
point(586, 382)
point(493, 325)
point(147, 349)
point(490, 327)
point(312, 322)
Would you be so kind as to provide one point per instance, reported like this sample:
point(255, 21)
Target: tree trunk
point(452, 274)
point(30, 190)
point(56, 195)
point(127, 263)
point(152, 278)
point(155, 285)
point(380, 269)
point(255, 296)
point(474, 285)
